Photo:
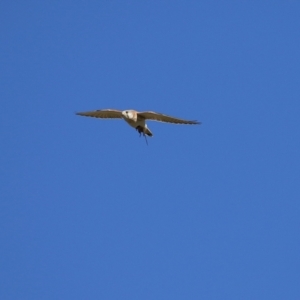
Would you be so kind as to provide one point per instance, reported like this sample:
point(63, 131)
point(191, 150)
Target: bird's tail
point(147, 131)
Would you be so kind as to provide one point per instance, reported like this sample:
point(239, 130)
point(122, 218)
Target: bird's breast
point(134, 123)
point(130, 122)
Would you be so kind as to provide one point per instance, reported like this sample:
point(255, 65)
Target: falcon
point(136, 119)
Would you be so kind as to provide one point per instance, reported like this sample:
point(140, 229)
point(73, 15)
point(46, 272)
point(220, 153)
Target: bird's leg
point(141, 131)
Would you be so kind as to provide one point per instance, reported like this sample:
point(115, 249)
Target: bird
point(136, 119)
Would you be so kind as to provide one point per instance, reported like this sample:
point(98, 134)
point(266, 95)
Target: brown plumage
point(136, 119)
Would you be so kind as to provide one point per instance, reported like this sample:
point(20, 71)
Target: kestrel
point(135, 119)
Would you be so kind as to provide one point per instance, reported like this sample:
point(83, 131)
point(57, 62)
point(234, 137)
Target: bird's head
point(127, 114)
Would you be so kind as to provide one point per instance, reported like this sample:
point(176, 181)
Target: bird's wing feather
point(151, 115)
point(104, 114)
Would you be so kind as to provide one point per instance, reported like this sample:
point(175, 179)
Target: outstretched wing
point(103, 113)
point(151, 115)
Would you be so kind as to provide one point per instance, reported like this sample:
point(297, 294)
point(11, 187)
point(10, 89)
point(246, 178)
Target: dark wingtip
point(195, 122)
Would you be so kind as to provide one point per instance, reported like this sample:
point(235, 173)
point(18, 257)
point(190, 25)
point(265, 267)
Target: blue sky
point(89, 211)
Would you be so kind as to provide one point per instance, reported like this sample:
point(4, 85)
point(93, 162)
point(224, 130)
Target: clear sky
point(89, 211)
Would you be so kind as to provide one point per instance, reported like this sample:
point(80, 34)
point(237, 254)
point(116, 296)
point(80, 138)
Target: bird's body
point(135, 119)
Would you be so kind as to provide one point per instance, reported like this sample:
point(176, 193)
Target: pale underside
point(135, 119)
point(141, 116)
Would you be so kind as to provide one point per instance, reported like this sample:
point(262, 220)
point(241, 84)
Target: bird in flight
point(135, 119)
